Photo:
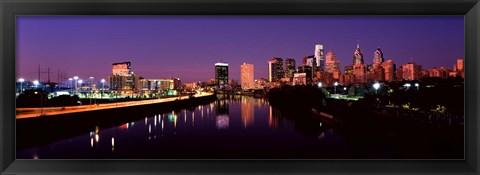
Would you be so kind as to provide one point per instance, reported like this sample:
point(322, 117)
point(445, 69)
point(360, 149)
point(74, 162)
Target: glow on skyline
point(188, 46)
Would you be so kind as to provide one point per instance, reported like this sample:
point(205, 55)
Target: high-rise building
point(359, 68)
point(121, 69)
point(319, 57)
point(349, 77)
point(389, 69)
point(308, 72)
point(411, 71)
point(123, 79)
point(275, 70)
point(221, 73)
point(358, 56)
point(378, 56)
point(299, 79)
point(289, 68)
point(459, 64)
point(247, 76)
point(331, 62)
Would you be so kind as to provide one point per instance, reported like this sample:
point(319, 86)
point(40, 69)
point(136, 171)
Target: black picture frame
point(11, 8)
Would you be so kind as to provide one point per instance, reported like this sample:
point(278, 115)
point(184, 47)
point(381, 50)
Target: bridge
point(22, 113)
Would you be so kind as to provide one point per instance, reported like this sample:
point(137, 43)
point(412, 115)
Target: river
point(233, 127)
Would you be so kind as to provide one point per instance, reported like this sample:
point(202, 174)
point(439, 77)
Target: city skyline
point(156, 46)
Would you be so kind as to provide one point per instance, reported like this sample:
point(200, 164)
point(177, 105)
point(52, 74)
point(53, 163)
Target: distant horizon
point(187, 47)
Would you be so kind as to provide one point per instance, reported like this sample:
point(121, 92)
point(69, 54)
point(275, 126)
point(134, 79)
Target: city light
point(319, 84)
point(21, 80)
point(36, 83)
point(376, 86)
point(407, 85)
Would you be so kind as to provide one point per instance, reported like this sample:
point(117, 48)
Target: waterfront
point(242, 127)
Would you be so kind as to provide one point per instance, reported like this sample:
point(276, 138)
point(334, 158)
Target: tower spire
point(358, 44)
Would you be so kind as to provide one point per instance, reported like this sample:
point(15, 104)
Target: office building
point(290, 68)
point(331, 62)
point(319, 57)
point(275, 70)
point(378, 56)
point(221, 74)
point(247, 76)
point(389, 70)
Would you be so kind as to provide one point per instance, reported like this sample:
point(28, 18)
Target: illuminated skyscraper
point(331, 62)
point(275, 69)
point(378, 56)
point(221, 73)
point(319, 57)
point(289, 68)
point(358, 56)
point(122, 78)
point(247, 76)
point(359, 69)
point(411, 71)
point(389, 69)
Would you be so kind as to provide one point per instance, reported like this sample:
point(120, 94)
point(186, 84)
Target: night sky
point(187, 47)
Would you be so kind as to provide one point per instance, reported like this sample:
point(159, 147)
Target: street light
point(417, 85)
point(75, 78)
point(407, 85)
point(319, 84)
point(376, 86)
point(103, 85)
point(21, 80)
point(70, 80)
point(36, 83)
point(335, 89)
point(80, 83)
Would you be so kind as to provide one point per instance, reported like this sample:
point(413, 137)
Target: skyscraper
point(331, 62)
point(221, 73)
point(389, 68)
point(319, 56)
point(275, 69)
point(247, 76)
point(378, 56)
point(357, 55)
point(359, 69)
point(123, 78)
point(411, 71)
point(289, 68)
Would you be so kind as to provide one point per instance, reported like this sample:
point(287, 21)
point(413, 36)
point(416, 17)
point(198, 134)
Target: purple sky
point(188, 46)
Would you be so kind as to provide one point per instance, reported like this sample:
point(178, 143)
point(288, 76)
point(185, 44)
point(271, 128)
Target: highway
point(22, 113)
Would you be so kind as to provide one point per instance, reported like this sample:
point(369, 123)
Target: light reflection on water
point(229, 127)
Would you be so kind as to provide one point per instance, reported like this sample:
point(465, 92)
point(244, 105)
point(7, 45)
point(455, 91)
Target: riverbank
point(37, 131)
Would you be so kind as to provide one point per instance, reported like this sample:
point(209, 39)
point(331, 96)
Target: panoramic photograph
point(240, 87)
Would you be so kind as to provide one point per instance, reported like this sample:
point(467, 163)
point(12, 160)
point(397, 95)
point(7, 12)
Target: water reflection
point(247, 106)
point(246, 122)
point(222, 119)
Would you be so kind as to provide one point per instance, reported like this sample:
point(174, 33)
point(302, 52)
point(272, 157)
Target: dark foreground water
point(233, 127)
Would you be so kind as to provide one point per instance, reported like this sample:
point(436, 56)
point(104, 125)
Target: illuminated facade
point(289, 68)
point(121, 69)
point(378, 56)
point(300, 79)
point(331, 62)
point(247, 76)
point(275, 70)
point(319, 57)
point(221, 73)
point(359, 68)
point(123, 79)
point(389, 70)
point(411, 71)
